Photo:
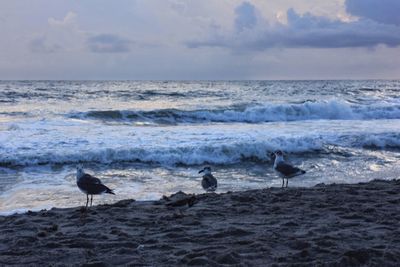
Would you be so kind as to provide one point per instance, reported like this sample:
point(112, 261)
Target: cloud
point(383, 11)
point(245, 16)
point(40, 45)
point(61, 35)
point(108, 43)
point(319, 32)
point(300, 31)
point(238, 39)
point(66, 35)
point(69, 19)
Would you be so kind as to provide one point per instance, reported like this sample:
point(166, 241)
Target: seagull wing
point(288, 170)
point(209, 182)
point(93, 185)
point(90, 179)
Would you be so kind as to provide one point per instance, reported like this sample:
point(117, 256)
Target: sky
point(199, 39)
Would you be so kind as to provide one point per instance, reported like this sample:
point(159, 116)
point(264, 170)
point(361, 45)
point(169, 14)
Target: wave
point(16, 114)
point(322, 110)
point(195, 154)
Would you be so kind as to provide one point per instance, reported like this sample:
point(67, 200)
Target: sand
point(327, 225)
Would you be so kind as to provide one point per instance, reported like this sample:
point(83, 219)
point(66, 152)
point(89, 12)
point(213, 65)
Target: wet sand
point(326, 225)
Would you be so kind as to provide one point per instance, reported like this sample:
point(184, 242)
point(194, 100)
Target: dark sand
point(332, 225)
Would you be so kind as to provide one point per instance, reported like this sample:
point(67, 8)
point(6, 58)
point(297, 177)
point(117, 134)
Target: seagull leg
point(91, 200)
point(283, 182)
point(287, 181)
point(87, 201)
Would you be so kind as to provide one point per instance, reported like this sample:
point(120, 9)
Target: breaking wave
point(323, 110)
point(191, 154)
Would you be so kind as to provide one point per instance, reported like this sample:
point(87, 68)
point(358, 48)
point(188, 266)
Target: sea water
point(145, 139)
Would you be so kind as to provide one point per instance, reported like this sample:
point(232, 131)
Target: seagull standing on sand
point(209, 183)
point(285, 170)
point(90, 185)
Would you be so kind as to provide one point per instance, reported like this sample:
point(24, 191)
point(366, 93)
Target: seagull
point(285, 170)
point(209, 183)
point(90, 185)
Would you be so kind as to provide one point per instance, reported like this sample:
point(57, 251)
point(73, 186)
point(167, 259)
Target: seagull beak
point(201, 171)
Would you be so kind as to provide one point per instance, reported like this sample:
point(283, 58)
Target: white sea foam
point(348, 130)
point(55, 141)
point(271, 112)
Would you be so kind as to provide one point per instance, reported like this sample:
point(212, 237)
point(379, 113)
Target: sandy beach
point(186, 115)
point(326, 225)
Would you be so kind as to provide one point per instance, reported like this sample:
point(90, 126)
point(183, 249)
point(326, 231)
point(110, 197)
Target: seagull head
point(206, 170)
point(275, 154)
point(278, 156)
point(79, 171)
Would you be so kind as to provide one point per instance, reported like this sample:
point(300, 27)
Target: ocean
point(146, 139)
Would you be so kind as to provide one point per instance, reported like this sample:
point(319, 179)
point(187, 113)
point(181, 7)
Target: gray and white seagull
point(284, 169)
point(90, 185)
point(209, 182)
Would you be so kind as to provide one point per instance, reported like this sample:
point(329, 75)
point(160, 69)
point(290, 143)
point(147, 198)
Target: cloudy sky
point(199, 39)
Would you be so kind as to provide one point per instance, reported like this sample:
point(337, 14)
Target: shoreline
point(328, 225)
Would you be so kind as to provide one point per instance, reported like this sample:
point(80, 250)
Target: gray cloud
point(305, 30)
point(384, 11)
point(245, 17)
point(40, 45)
point(64, 40)
point(108, 43)
point(320, 32)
